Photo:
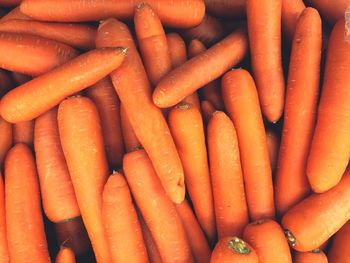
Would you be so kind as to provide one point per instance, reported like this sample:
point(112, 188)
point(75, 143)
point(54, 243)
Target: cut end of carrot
point(238, 246)
point(183, 106)
point(178, 195)
point(141, 5)
point(316, 251)
point(290, 238)
point(258, 222)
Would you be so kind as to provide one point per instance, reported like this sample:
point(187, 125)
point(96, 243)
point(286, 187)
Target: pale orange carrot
point(130, 140)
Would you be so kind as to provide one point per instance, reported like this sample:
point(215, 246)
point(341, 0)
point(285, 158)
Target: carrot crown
point(290, 238)
point(238, 246)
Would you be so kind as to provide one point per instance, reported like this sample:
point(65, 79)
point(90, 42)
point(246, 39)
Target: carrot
point(315, 256)
point(152, 250)
point(233, 250)
point(315, 219)
point(264, 29)
point(226, 174)
point(153, 43)
point(226, 8)
point(207, 110)
point(14, 14)
point(4, 253)
point(330, 148)
point(186, 126)
point(6, 132)
point(65, 255)
point(121, 223)
point(182, 13)
point(273, 145)
point(104, 96)
point(5, 82)
point(130, 140)
point(272, 249)
point(10, 2)
point(200, 70)
point(299, 122)
point(339, 251)
point(242, 104)
point(196, 237)
point(23, 132)
point(156, 208)
point(333, 11)
point(80, 132)
point(291, 10)
point(134, 91)
point(76, 35)
point(24, 223)
point(33, 98)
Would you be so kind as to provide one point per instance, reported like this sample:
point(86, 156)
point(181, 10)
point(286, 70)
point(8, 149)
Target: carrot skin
point(23, 132)
point(314, 257)
point(152, 250)
point(207, 110)
point(339, 251)
point(65, 255)
point(6, 131)
point(226, 8)
point(130, 140)
point(273, 145)
point(4, 253)
point(291, 10)
point(15, 13)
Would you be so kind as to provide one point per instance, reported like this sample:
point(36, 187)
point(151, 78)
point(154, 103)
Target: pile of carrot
point(161, 131)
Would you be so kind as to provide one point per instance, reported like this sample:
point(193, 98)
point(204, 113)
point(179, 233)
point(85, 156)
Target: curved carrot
point(339, 251)
point(299, 122)
point(121, 223)
point(194, 74)
point(291, 11)
point(14, 14)
point(104, 96)
point(153, 43)
point(333, 11)
point(24, 223)
point(226, 8)
point(182, 13)
point(134, 91)
point(315, 219)
point(242, 104)
point(157, 209)
point(207, 110)
point(130, 140)
point(316, 256)
point(186, 126)
point(152, 250)
point(10, 2)
point(330, 148)
point(80, 132)
point(273, 145)
point(264, 29)
point(76, 35)
point(5, 82)
point(23, 132)
point(233, 250)
point(4, 253)
point(65, 255)
point(272, 249)
point(6, 141)
point(33, 98)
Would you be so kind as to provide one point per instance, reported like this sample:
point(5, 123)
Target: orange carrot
point(153, 43)
point(226, 174)
point(315, 219)
point(242, 104)
point(6, 132)
point(194, 74)
point(273, 146)
point(156, 208)
point(76, 35)
point(80, 132)
point(10, 2)
point(121, 223)
point(5, 82)
point(65, 255)
point(4, 253)
point(331, 10)
point(14, 14)
point(339, 251)
point(133, 88)
point(291, 11)
point(264, 28)
point(37, 96)
point(207, 110)
point(182, 13)
point(24, 223)
point(227, 8)
point(23, 132)
point(196, 237)
point(268, 240)
point(152, 250)
point(299, 122)
point(104, 96)
point(130, 140)
point(233, 250)
point(315, 256)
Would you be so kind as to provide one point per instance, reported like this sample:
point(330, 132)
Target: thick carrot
point(129, 137)
point(24, 223)
point(339, 251)
point(264, 29)
point(331, 10)
point(153, 43)
point(152, 250)
point(156, 208)
point(23, 132)
point(242, 104)
point(10, 2)
point(200, 70)
point(121, 223)
point(226, 8)
point(268, 240)
point(65, 255)
point(6, 131)
point(207, 110)
point(134, 91)
point(273, 145)
point(104, 96)
point(76, 35)
point(233, 250)
point(330, 148)
point(5, 82)
point(196, 237)
point(182, 13)
point(315, 256)
point(14, 14)
point(4, 253)
point(80, 132)
point(226, 174)
point(315, 219)
point(299, 122)
point(291, 11)
point(37, 96)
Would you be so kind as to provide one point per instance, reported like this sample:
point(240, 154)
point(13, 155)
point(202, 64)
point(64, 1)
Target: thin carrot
point(242, 104)
point(226, 8)
point(24, 223)
point(153, 43)
point(152, 250)
point(157, 209)
point(315, 219)
point(299, 122)
point(233, 250)
point(121, 223)
point(23, 132)
point(315, 256)
point(10, 2)
point(130, 140)
point(65, 255)
point(200, 70)
point(134, 91)
point(4, 253)
point(80, 132)
point(196, 237)
point(226, 174)
point(273, 145)
point(33, 98)
point(339, 251)
point(6, 132)
point(264, 29)
point(268, 240)
point(207, 110)
point(5, 82)
point(333, 11)
point(186, 126)
point(291, 10)
point(104, 96)
point(14, 14)
point(182, 13)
